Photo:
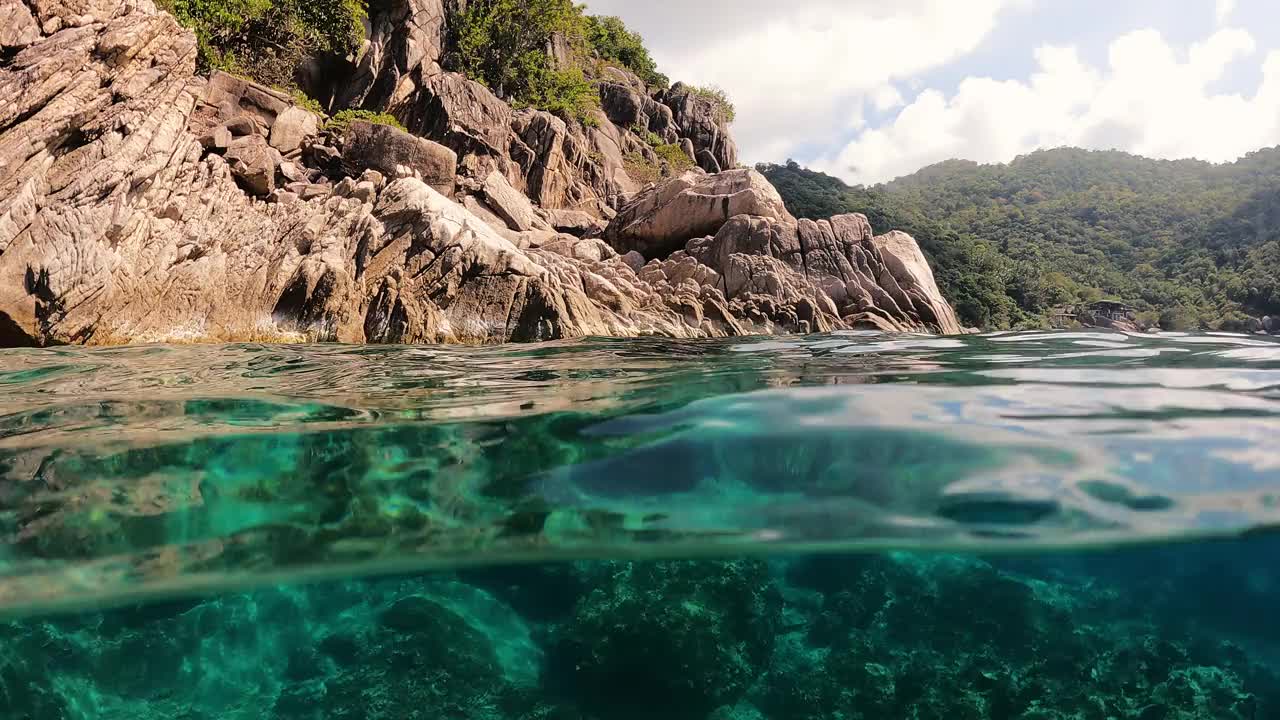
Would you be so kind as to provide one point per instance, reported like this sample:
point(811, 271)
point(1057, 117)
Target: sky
point(870, 90)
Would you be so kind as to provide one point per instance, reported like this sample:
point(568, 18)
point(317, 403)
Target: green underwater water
point(852, 526)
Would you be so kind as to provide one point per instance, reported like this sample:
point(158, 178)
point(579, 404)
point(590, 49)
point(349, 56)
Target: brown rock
point(18, 28)
point(661, 220)
point(243, 124)
point(217, 140)
point(397, 154)
point(253, 164)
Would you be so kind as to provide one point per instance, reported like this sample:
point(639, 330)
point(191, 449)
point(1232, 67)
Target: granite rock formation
point(141, 202)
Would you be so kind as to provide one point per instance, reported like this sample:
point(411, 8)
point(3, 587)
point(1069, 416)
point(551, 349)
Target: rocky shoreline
point(140, 202)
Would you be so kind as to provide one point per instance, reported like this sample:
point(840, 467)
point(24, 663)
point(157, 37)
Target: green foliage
point(651, 138)
point(613, 42)
point(566, 93)
point(671, 161)
point(675, 158)
point(503, 44)
point(724, 107)
point(1009, 242)
point(339, 123)
point(307, 102)
point(266, 40)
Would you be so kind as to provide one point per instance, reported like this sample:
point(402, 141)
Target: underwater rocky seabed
point(1164, 636)
point(168, 468)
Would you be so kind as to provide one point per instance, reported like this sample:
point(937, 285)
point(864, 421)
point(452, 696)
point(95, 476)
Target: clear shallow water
point(1068, 526)
point(152, 470)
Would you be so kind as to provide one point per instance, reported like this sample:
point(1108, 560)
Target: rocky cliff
point(142, 202)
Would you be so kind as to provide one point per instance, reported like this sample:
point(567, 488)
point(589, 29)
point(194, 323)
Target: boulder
point(225, 96)
point(511, 204)
point(628, 108)
point(461, 114)
point(18, 28)
point(242, 124)
point(575, 222)
point(906, 264)
point(217, 139)
point(291, 127)
point(397, 154)
point(253, 163)
point(662, 219)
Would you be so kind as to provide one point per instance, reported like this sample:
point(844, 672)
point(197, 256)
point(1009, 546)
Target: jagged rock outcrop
point(139, 202)
point(702, 121)
point(661, 220)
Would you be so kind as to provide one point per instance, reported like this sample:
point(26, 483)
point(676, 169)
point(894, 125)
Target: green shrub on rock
point(266, 40)
point(503, 44)
point(613, 41)
point(339, 123)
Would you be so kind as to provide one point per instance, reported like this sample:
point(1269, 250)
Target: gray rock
point(462, 115)
point(291, 127)
point(253, 164)
point(481, 210)
point(405, 43)
point(634, 260)
point(698, 119)
point(661, 220)
point(397, 154)
point(575, 222)
point(511, 205)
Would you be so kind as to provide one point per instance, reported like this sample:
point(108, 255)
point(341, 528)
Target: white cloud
point(1149, 100)
point(1223, 10)
point(795, 73)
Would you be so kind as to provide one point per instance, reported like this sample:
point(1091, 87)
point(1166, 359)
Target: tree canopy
point(1187, 242)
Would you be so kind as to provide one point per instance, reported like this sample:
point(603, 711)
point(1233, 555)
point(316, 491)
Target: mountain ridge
point(1190, 244)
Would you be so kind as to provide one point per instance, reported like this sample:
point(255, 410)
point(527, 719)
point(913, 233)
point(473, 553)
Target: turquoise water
point(1035, 525)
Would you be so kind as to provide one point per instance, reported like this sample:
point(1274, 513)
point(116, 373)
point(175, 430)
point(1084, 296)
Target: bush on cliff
point(266, 40)
point(504, 45)
point(614, 42)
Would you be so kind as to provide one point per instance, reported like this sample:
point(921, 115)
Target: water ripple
point(135, 471)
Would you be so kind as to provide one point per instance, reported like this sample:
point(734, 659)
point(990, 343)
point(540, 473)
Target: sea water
point(852, 526)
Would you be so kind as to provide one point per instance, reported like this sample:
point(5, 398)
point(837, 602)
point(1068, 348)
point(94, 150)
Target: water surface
point(148, 471)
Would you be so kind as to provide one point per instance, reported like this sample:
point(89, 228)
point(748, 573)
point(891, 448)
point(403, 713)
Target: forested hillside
point(1189, 243)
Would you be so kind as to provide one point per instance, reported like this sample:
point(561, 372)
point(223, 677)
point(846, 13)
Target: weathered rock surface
point(661, 220)
point(403, 49)
point(118, 225)
point(291, 127)
point(395, 153)
point(511, 205)
point(701, 120)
